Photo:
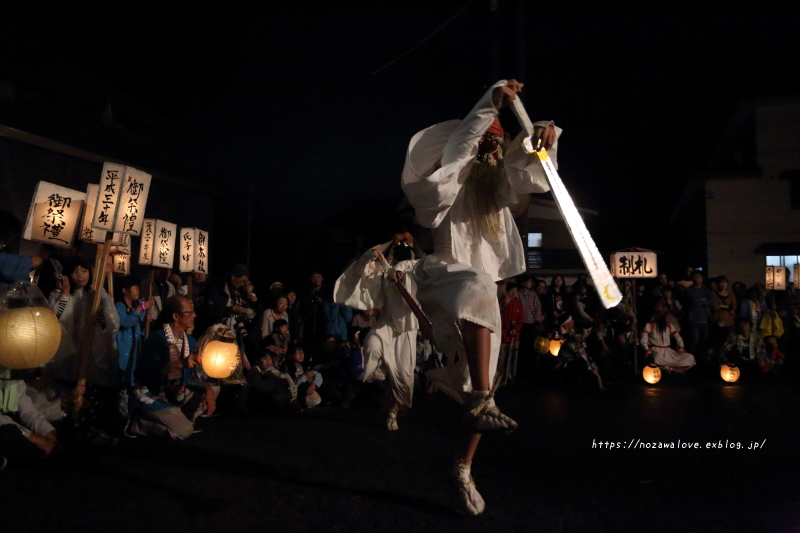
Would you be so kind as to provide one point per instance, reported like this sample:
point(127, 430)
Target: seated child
point(307, 381)
point(773, 359)
point(274, 388)
point(278, 342)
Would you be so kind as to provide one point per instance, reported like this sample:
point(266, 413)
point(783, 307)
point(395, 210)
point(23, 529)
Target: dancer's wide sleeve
point(359, 286)
point(438, 157)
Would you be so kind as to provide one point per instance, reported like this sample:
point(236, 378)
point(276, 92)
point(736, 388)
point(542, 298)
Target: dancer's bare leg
point(391, 408)
point(478, 345)
point(466, 447)
point(467, 493)
point(483, 415)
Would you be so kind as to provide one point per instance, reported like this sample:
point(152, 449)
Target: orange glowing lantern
point(555, 346)
point(729, 372)
point(651, 374)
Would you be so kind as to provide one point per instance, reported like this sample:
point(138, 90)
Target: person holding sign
point(466, 181)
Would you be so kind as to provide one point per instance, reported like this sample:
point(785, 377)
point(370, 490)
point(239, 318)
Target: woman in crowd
point(555, 301)
point(272, 315)
point(295, 318)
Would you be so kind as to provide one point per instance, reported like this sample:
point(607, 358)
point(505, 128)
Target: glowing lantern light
point(729, 373)
point(555, 346)
point(29, 337)
point(220, 357)
point(542, 345)
point(651, 374)
point(29, 331)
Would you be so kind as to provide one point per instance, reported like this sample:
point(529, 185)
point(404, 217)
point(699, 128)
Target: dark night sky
point(287, 95)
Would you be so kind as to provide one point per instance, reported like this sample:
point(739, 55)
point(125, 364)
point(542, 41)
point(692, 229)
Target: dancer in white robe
point(466, 182)
point(656, 339)
point(390, 347)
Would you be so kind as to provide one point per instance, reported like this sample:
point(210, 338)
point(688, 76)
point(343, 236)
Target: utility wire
point(437, 30)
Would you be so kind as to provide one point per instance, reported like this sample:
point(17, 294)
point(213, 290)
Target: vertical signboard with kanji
point(88, 232)
point(135, 187)
point(54, 215)
point(121, 264)
point(186, 249)
point(201, 251)
point(147, 244)
point(105, 210)
point(164, 244)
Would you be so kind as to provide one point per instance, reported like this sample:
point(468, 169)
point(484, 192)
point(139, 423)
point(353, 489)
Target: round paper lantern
point(729, 373)
point(29, 337)
point(220, 357)
point(541, 345)
point(555, 346)
point(651, 374)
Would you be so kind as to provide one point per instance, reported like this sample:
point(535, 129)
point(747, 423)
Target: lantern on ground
point(730, 373)
point(29, 331)
point(555, 346)
point(651, 374)
point(219, 353)
point(541, 345)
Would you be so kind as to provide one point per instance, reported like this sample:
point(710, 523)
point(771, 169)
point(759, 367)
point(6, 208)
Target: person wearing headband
point(466, 180)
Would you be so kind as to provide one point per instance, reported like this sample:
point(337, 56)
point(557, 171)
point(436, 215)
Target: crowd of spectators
point(298, 349)
point(677, 325)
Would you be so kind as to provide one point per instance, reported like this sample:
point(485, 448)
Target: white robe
point(390, 347)
point(657, 344)
point(457, 282)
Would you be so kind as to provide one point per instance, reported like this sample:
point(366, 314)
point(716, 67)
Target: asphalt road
point(335, 469)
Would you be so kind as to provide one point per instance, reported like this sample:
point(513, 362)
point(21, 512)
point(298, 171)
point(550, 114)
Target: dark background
point(299, 116)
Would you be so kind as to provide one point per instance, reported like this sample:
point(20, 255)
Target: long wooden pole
point(91, 319)
point(189, 289)
point(109, 272)
point(635, 329)
point(151, 277)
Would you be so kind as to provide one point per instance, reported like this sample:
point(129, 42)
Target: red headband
point(399, 237)
point(496, 128)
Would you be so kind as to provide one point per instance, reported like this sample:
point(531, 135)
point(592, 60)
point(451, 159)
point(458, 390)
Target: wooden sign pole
point(151, 278)
point(91, 319)
point(109, 271)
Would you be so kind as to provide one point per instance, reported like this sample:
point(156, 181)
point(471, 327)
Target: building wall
point(741, 215)
point(778, 136)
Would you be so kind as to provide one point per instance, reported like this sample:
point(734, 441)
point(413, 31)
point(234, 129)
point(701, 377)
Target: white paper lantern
point(220, 357)
point(29, 337)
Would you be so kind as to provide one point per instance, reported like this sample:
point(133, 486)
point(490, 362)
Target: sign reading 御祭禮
point(158, 243)
point(54, 215)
